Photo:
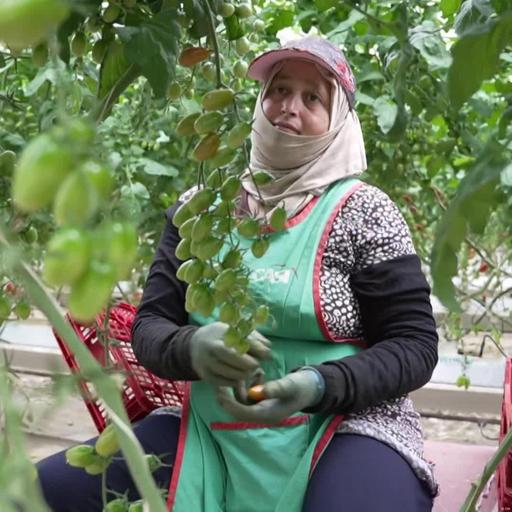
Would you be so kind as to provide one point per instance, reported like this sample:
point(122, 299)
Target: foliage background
point(434, 99)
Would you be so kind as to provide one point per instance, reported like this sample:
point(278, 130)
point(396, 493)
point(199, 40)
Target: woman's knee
point(364, 474)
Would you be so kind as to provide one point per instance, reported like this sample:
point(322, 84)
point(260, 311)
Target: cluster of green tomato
point(87, 253)
point(96, 459)
point(214, 271)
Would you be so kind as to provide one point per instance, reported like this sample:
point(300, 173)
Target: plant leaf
point(449, 7)
point(155, 168)
point(113, 67)
point(152, 46)
point(430, 45)
point(386, 111)
point(476, 57)
point(476, 196)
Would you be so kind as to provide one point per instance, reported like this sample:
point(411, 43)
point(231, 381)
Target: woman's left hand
point(283, 397)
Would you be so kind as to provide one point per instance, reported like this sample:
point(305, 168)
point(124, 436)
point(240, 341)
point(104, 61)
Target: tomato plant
point(107, 118)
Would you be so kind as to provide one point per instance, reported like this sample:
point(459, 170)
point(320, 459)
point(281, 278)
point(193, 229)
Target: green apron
point(229, 466)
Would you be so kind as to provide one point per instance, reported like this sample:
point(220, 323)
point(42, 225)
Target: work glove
point(220, 365)
point(283, 397)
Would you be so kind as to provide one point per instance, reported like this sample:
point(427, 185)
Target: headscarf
point(303, 166)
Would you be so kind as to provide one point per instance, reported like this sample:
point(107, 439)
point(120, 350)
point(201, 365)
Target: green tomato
point(174, 91)
point(40, 54)
point(261, 314)
point(43, 166)
point(81, 455)
point(122, 247)
point(117, 505)
point(76, 201)
point(90, 294)
point(5, 309)
point(243, 10)
point(278, 219)
point(209, 71)
point(22, 309)
point(93, 24)
point(202, 227)
point(248, 227)
point(7, 161)
point(97, 467)
point(225, 280)
point(25, 23)
point(259, 247)
point(242, 46)
point(79, 44)
point(111, 13)
point(240, 69)
point(98, 50)
point(100, 177)
point(107, 443)
point(67, 257)
point(201, 200)
point(230, 188)
point(258, 26)
point(31, 235)
point(237, 135)
point(226, 9)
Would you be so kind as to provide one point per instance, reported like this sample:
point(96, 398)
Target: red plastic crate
point(504, 479)
point(142, 391)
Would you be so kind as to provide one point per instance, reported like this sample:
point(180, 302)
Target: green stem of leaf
point(105, 106)
point(478, 486)
point(91, 371)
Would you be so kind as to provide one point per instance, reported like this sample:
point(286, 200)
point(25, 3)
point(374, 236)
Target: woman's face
point(298, 99)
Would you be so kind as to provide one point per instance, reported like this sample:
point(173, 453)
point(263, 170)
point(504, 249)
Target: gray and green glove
point(220, 365)
point(283, 397)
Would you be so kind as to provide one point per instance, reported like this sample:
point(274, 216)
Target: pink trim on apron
point(296, 219)
point(180, 451)
point(317, 268)
point(324, 441)
point(240, 425)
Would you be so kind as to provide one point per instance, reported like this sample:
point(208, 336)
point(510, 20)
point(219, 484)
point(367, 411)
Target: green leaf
point(113, 67)
point(506, 176)
point(46, 73)
point(472, 12)
point(282, 19)
point(152, 46)
point(449, 7)
point(476, 196)
point(233, 28)
point(70, 24)
point(430, 45)
point(386, 111)
point(323, 5)
point(195, 11)
point(476, 57)
point(154, 168)
point(351, 20)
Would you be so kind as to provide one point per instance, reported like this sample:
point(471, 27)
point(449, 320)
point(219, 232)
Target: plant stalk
point(91, 370)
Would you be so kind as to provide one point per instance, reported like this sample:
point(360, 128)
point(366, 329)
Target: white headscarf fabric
point(303, 166)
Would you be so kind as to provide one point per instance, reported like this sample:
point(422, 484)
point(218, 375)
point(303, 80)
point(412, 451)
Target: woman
point(353, 330)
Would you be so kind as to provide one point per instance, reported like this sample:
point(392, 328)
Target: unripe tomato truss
point(59, 168)
point(218, 278)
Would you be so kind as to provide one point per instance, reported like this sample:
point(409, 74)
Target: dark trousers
point(354, 474)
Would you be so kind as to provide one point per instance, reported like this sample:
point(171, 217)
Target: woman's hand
point(283, 397)
point(220, 365)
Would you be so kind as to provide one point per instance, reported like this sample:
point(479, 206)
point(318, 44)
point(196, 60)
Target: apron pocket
point(260, 459)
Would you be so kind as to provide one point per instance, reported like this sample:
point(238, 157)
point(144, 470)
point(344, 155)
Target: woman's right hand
point(220, 365)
